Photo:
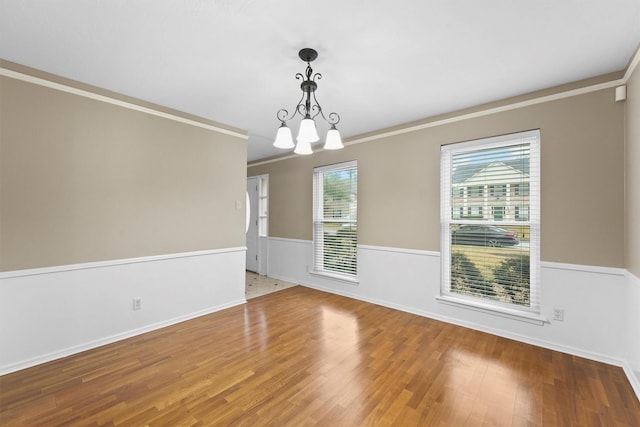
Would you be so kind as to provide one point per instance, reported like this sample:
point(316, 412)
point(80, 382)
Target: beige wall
point(582, 149)
point(632, 174)
point(83, 180)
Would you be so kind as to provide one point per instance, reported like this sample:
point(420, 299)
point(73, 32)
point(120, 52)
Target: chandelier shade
point(303, 147)
point(309, 108)
point(308, 131)
point(333, 141)
point(283, 138)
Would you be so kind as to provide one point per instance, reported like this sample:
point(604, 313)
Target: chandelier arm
point(318, 108)
point(282, 115)
point(285, 117)
point(301, 109)
point(334, 119)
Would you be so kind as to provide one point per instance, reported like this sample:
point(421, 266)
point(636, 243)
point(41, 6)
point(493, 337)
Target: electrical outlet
point(558, 314)
point(137, 304)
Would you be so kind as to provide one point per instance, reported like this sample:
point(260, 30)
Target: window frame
point(318, 218)
point(532, 312)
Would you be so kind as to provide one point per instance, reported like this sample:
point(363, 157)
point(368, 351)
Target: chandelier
point(309, 108)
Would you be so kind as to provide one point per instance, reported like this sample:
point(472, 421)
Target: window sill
point(347, 279)
point(522, 316)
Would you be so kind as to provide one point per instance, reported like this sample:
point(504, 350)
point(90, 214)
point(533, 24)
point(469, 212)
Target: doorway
point(257, 230)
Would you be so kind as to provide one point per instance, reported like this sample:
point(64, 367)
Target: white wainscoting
point(594, 299)
point(632, 368)
point(50, 313)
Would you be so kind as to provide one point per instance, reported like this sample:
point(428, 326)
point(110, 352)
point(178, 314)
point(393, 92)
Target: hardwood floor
point(302, 357)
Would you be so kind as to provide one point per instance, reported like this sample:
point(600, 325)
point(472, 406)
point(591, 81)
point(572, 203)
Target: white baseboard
point(497, 332)
point(595, 327)
point(110, 340)
point(633, 378)
point(63, 310)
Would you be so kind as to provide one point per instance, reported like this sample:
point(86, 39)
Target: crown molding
point(633, 64)
point(462, 117)
point(630, 69)
point(113, 101)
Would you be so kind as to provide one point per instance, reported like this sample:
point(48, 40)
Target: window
point(522, 213)
point(520, 189)
point(476, 212)
point(498, 190)
point(476, 191)
point(492, 261)
point(335, 226)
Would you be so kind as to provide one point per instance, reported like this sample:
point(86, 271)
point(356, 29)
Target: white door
point(252, 232)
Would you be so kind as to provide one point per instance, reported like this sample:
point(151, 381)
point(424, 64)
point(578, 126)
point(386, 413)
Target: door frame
point(262, 222)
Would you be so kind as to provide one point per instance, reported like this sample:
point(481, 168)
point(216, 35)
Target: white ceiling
point(383, 62)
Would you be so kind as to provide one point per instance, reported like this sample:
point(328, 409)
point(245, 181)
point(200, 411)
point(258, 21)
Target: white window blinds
point(335, 213)
point(490, 217)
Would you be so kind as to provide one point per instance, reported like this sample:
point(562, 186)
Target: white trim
point(476, 114)
point(523, 316)
point(112, 339)
point(633, 63)
point(495, 110)
point(351, 164)
point(544, 264)
point(498, 332)
point(286, 239)
point(368, 292)
point(632, 277)
point(110, 263)
point(633, 380)
point(584, 268)
point(339, 277)
point(102, 98)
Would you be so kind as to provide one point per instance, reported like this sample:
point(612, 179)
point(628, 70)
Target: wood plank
point(303, 357)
